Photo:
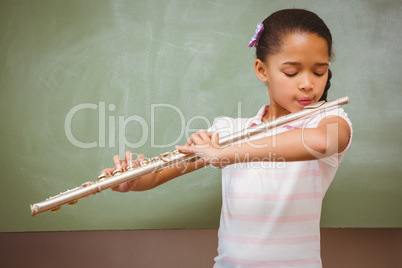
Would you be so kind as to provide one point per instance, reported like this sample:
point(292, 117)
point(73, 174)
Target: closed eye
point(290, 75)
point(319, 74)
point(320, 71)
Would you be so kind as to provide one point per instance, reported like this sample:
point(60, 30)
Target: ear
point(260, 70)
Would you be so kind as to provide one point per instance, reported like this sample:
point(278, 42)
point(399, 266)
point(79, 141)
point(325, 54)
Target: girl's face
point(296, 76)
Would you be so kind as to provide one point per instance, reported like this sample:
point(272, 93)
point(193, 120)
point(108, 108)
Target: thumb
point(185, 149)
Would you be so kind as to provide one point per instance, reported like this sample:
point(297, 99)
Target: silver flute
point(158, 163)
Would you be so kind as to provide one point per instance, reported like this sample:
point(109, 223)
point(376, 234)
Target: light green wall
point(124, 57)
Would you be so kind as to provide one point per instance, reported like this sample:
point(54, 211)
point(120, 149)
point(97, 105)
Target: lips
point(304, 101)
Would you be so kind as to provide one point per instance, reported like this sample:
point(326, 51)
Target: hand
point(205, 145)
point(118, 165)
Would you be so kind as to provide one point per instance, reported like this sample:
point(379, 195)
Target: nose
point(305, 82)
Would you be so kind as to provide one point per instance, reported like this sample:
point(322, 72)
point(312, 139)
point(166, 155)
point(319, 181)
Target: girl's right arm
point(151, 180)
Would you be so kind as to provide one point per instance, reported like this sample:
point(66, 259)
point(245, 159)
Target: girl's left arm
point(331, 136)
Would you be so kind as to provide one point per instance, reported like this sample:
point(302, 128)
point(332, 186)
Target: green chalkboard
point(81, 81)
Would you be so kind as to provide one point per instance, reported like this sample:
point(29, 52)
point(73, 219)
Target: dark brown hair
point(288, 21)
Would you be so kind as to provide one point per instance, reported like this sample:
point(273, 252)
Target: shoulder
point(337, 121)
point(324, 115)
point(331, 120)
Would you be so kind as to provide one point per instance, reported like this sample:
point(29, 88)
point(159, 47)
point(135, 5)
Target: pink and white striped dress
point(271, 211)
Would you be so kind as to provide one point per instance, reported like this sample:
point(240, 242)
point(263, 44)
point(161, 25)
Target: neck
point(274, 111)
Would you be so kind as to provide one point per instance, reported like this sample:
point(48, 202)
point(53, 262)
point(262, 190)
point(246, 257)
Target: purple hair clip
point(258, 31)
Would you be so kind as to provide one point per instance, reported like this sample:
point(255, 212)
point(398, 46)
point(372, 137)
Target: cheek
point(285, 86)
point(321, 84)
point(282, 90)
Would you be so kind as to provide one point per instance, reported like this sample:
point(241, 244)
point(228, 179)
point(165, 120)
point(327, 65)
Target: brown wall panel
point(341, 248)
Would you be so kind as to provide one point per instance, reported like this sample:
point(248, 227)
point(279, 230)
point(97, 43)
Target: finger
point(186, 149)
point(139, 158)
point(122, 188)
point(204, 134)
point(197, 139)
point(107, 171)
point(117, 162)
point(215, 139)
point(128, 158)
point(190, 140)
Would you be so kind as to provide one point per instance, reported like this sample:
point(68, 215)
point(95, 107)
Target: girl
point(273, 184)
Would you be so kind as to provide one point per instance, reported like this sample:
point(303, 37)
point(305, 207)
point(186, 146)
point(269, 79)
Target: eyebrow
point(291, 63)
point(298, 63)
